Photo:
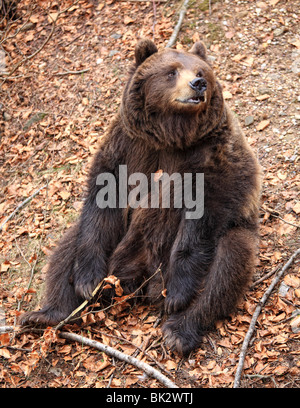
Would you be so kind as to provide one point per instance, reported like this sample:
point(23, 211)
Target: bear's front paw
point(179, 336)
point(84, 289)
point(87, 275)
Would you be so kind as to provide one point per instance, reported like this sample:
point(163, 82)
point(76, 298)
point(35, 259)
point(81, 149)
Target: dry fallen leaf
point(4, 339)
point(35, 18)
point(274, 2)
point(227, 95)
point(52, 17)
point(157, 175)
point(111, 279)
point(29, 37)
point(248, 61)
point(287, 228)
point(296, 208)
point(238, 57)
point(263, 125)
point(196, 37)
point(5, 266)
point(230, 34)
point(4, 353)
point(128, 20)
point(64, 194)
point(296, 43)
point(262, 97)
point(292, 280)
point(281, 176)
point(171, 365)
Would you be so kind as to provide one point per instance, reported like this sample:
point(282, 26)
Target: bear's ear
point(143, 50)
point(199, 49)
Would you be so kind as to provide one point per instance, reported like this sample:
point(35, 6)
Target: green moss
point(204, 4)
point(215, 31)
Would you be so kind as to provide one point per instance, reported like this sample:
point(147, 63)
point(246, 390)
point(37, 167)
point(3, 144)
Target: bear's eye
point(199, 74)
point(172, 73)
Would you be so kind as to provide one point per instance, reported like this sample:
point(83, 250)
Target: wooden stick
point(143, 1)
point(23, 203)
point(7, 329)
point(72, 72)
point(266, 276)
point(256, 313)
point(150, 371)
point(176, 30)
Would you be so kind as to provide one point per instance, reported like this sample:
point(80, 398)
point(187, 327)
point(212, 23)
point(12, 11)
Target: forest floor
point(52, 122)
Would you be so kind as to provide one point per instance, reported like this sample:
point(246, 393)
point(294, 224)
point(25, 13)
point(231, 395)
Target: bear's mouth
point(195, 100)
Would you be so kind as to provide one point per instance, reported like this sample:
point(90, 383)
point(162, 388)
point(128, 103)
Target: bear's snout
point(198, 84)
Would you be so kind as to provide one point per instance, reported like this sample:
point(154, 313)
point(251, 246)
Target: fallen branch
point(71, 72)
point(176, 30)
point(150, 371)
point(266, 276)
point(256, 313)
point(21, 205)
point(143, 1)
point(7, 329)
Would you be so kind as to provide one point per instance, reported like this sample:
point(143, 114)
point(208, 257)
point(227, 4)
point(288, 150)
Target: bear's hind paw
point(40, 318)
point(179, 338)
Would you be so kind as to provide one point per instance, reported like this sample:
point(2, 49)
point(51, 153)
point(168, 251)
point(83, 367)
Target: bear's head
point(172, 97)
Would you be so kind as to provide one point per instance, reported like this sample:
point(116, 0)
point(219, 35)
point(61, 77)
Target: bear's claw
point(179, 336)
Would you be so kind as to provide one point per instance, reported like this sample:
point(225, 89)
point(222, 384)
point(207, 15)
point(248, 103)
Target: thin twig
point(32, 272)
point(275, 214)
point(21, 205)
point(35, 53)
point(143, 1)
point(266, 276)
point(150, 371)
point(25, 59)
point(256, 313)
point(176, 30)
point(71, 72)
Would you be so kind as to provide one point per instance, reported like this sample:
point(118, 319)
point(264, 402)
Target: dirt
point(52, 122)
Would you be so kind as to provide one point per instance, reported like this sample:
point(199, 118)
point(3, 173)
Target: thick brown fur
point(206, 263)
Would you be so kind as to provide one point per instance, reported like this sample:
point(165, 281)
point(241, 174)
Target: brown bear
point(172, 122)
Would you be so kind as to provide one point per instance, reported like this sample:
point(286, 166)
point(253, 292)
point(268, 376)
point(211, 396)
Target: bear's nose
point(198, 84)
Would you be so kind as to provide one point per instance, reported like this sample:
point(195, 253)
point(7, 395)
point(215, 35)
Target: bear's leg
point(128, 261)
point(60, 299)
point(189, 261)
point(100, 231)
point(224, 284)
